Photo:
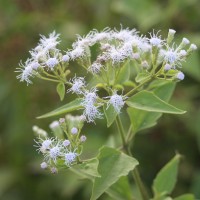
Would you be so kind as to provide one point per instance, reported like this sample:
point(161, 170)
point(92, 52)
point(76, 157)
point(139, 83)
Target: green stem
point(121, 131)
point(134, 172)
point(48, 79)
point(137, 87)
point(139, 183)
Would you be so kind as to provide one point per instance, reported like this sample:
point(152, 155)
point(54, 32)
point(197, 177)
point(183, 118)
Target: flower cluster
point(153, 55)
point(63, 151)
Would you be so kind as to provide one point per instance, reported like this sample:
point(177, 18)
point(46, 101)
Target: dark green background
point(21, 22)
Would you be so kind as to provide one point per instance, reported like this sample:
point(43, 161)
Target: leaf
point(141, 119)
point(88, 169)
point(193, 68)
point(124, 74)
point(185, 197)
point(166, 178)
point(148, 101)
point(73, 105)
point(120, 190)
point(142, 76)
point(110, 114)
point(61, 90)
point(113, 164)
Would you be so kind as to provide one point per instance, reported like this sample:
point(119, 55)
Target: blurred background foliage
point(21, 22)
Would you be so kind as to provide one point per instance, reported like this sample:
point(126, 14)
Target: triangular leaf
point(110, 114)
point(120, 190)
point(166, 178)
point(148, 101)
point(185, 197)
point(88, 169)
point(124, 74)
point(141, 119)
point(142, 76)
point(61, 90)
point(113, 164)
point(69, 107)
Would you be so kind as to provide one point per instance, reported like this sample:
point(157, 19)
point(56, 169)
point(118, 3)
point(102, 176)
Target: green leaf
point(110, 114)
point(69, 107)
point(124, 74)
point(113, 164)
point(61, 90)
point(148, 101)
point(142, 76)
point(120, 190)
point(166, 178)
point(141, 119)
point(185, 197)
point(88, 169)
point(193, 68)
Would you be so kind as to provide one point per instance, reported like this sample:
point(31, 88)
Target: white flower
point(83, 138)
point(180, 76)
point(77, 53)
point(104, 35)
point(125, 35)
point(50, 42)
point(167, 67)
point(74, 131)
point(54, 170)
point(54, 124)
point(155, 40)
point(117, 101)
point(173, 57)
point(116, 55)
point(26, 71)
point(95, 67)
point(66, 58)
point(182, 53)
point(78, 83)
point(185, 41)
point(193, 47)
point(90, 97)
point(91, 112)
point(39, 54)
point(70, 157)
point(54, 153)
point(43, 165)
point(66, 143)
point(43, 145)
point(52, 62)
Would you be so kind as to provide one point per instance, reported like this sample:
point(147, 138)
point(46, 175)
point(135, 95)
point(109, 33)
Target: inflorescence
point(160, 58)
point(64, 149)
point(114, 62)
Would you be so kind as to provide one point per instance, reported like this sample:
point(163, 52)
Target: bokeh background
point(21, 22)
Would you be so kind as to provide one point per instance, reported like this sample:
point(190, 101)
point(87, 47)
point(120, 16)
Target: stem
point(135, 173)
point(139, 183)
point(48, 79)
point(137, 87)
point(121, 131)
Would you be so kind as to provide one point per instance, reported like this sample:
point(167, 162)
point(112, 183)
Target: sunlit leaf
point(166, 178)
point(148, 101)
point(113, 164)
point(69, 107)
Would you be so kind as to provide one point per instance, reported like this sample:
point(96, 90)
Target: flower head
point(50, 42)
point(70, 157)
point(180, 76)
point(78, 83)
point(91, 113)
point(117, 101)
point(155, 39)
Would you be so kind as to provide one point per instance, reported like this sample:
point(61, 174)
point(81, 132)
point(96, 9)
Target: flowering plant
point(124, 73)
